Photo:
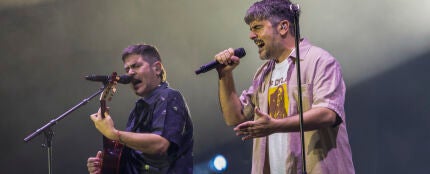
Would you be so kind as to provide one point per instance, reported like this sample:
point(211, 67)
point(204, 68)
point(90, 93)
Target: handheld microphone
point(124, 79)
point(239, 52)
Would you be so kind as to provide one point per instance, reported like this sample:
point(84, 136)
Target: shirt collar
point(304, 47)
point(152, 97)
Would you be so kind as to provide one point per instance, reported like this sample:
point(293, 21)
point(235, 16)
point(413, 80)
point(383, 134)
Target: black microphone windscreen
point(239, 52)
point(124, 79)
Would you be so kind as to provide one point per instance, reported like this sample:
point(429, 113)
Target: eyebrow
point(130, 66)
point(256, 26)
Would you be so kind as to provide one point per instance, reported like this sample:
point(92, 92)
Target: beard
point(268, 51)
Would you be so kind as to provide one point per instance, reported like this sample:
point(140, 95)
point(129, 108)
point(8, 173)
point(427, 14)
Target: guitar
point(111, 149)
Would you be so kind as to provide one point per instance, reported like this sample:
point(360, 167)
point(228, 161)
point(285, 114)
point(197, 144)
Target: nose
point(130, 72)
point(252, 35)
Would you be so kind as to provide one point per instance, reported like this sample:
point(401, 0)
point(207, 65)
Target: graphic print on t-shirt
point(278, 101)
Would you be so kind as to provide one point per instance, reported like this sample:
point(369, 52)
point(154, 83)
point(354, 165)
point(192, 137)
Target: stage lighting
point(218, 164)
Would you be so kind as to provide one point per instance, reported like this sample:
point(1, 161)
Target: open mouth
point(259, 43)
point(135, 81)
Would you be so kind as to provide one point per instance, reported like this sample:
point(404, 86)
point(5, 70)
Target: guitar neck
point(102, 108)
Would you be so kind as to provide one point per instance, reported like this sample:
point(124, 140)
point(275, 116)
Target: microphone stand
point(49, 133)
point(296, 11)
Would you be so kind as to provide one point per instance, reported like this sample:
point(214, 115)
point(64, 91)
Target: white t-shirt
point(278, 108)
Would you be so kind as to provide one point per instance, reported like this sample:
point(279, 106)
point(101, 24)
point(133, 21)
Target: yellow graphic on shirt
point(278, 101)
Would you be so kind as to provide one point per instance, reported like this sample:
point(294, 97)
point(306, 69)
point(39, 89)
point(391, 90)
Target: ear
point(284, 27)
point(156, 66)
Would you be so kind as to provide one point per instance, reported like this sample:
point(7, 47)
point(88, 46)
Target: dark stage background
point(48, 46)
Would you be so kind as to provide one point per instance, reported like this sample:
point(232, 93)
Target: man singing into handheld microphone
point(267, 111)
point(159, 134)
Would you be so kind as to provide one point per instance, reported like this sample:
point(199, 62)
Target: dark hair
point(148, 53)
point(271, 10)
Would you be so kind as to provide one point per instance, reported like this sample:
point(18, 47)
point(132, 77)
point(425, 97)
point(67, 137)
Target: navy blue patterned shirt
point(165, 113)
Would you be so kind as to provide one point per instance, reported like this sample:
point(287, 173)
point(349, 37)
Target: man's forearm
point(229, 101)
point(315, 118)
point(145, 142)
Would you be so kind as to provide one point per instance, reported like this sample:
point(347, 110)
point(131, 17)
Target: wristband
point(119, 137)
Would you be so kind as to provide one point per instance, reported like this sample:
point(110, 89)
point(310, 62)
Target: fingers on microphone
point(230, 51)
point(218, 58)
point(232, 58)
point(224, 57)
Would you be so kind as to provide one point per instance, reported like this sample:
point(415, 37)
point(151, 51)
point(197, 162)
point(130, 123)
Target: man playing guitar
point(159, 133)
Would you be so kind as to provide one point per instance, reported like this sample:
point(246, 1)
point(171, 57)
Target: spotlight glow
point(218, 164)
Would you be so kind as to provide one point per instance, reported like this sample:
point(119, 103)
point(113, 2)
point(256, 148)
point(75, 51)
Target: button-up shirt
point(165, 113)
point(327, 149)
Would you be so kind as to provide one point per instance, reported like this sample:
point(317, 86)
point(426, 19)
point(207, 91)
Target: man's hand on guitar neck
point(105, 125)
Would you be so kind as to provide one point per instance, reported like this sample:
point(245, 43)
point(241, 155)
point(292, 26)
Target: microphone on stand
point(124, 79)
point(238, 52)
point(295, 8)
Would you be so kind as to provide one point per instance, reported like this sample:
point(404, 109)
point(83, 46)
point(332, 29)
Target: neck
point(288, 47)
point(153, 87)
point(284, 54)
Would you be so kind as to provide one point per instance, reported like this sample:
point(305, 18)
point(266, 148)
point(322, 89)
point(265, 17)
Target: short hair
point(148, 53)
point(271, 10)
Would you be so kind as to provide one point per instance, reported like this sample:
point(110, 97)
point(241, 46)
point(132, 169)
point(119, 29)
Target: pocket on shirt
point(306, 97)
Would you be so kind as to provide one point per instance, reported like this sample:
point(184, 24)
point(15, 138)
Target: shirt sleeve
point(248, 98)
point(170, 118)
point(246, 101)
point(329, 87)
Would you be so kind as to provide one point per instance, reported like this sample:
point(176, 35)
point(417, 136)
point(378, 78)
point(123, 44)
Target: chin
point(264, 57)
point(139, 93)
